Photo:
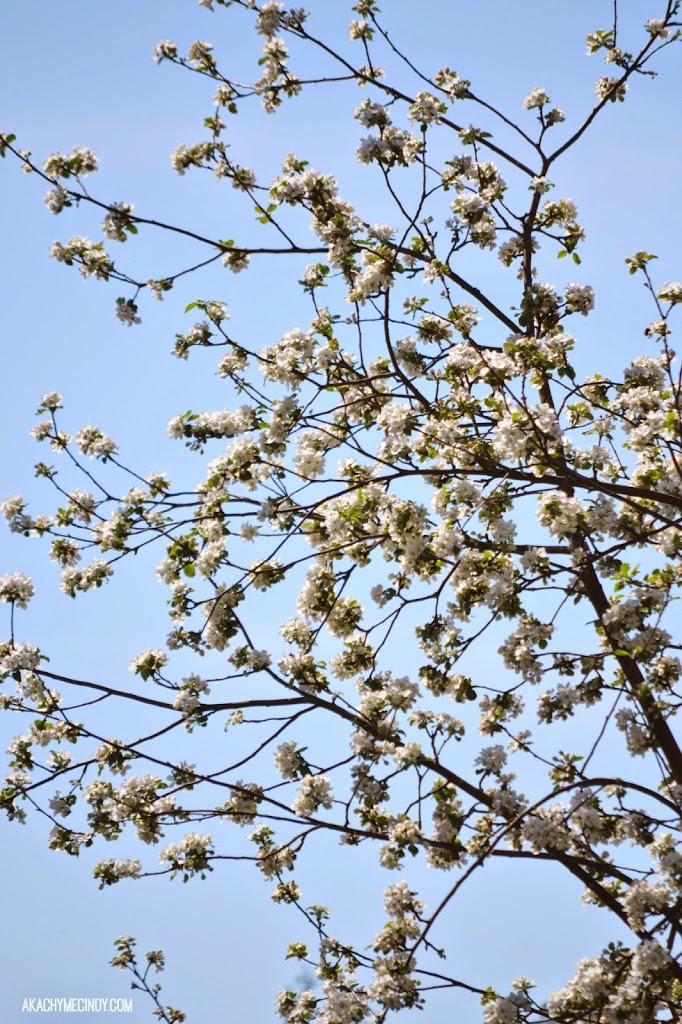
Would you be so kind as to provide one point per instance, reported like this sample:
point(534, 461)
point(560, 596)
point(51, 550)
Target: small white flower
point(656, 28)
point(16, 588)
point(537, 98)
point(315, 792)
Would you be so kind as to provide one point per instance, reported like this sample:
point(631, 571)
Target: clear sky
point(81, 74)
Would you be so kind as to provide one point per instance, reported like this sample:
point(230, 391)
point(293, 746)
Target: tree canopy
point(421, 597)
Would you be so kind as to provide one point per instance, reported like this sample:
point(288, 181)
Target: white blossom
point(16, 588)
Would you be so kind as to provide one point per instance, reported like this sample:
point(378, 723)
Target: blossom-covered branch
point(480, 542)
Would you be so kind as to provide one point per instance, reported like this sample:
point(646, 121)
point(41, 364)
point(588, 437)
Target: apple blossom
point(476, 532)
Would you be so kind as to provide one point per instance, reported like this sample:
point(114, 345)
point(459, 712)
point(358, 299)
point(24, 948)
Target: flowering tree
point(421, 487)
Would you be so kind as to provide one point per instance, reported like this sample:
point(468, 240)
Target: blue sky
point(84, 76)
